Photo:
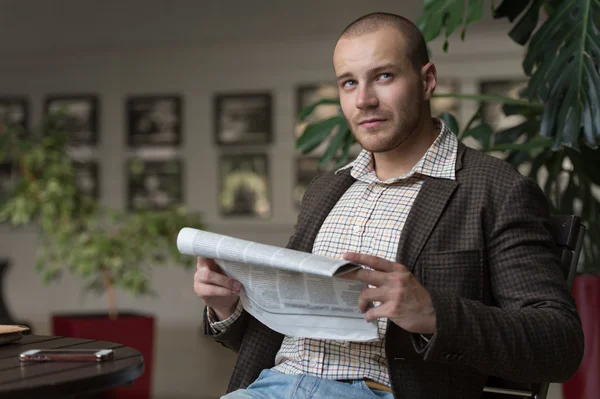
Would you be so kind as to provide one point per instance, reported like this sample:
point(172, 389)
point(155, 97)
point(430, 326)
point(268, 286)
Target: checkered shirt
point(368, 219)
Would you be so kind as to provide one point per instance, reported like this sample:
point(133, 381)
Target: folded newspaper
point(293, 292)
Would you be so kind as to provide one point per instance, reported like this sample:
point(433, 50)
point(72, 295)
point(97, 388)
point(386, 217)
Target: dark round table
point(64, 379)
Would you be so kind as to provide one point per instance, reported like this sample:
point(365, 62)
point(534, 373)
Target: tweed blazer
point(481, 246)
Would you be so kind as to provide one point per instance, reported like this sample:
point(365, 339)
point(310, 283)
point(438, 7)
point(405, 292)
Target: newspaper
point(292, 292)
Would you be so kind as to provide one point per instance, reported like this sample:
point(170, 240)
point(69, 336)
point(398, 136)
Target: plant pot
point(129, 329)
point(585, 384)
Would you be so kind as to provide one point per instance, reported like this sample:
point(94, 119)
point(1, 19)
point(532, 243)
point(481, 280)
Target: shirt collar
point(439, 161)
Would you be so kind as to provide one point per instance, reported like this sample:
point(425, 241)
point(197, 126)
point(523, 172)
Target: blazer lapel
point(424, 214)
point(327, 193)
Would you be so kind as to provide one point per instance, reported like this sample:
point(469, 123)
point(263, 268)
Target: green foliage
point(556, 144)
point(76, 233)
point(562, 58)
point(448, 15)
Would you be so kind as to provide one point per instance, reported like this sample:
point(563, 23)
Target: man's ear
point(429, 79)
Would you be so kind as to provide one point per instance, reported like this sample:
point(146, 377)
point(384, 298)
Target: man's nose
point(366, 98)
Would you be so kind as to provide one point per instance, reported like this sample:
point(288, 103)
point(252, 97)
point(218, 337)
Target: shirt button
point(357, 229)
point(314, 361)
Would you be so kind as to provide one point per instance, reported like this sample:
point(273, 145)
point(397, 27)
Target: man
point(456, 246)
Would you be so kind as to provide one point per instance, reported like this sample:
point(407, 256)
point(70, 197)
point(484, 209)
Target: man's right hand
point(217, 291)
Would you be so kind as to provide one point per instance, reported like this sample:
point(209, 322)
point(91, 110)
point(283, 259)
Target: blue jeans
point(272, 384)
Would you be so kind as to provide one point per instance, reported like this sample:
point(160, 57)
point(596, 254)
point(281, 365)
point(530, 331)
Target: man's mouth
point(371, 123)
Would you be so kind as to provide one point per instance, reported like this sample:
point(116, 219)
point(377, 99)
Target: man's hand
point(217, 291)
point(403, 299)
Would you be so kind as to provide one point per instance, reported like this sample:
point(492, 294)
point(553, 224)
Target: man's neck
point(402, 159)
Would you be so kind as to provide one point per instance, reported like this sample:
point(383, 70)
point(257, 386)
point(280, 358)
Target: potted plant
point(556, 142)
point(107, 249)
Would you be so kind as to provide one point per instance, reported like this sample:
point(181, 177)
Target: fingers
point(209, 290)
point(370, 277)
point(377, 312)
point(373, 262)
point(368, 296)
point(208, 263)
point(206, 274)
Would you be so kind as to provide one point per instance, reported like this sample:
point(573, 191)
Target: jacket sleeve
point(232, 335)
point(534, 333)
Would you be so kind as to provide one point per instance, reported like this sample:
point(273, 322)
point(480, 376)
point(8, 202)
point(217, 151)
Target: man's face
point(381, 94)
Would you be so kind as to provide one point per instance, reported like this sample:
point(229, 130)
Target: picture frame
point(14, 111)
point(492, 113)
point(81, 116)
point(242, 119)
point(154, 120)
point(87, 178)
point(154, 184)
point(245, 186)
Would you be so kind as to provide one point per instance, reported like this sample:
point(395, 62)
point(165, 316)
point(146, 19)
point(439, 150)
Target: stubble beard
point(393, 139)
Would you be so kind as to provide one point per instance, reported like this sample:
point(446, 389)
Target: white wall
point(187, 364)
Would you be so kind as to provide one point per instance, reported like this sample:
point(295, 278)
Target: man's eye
point(385, 76)
point(348, 83)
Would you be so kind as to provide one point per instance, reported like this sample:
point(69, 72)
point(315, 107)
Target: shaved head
point(415, 46)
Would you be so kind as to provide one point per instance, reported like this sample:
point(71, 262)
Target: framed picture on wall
point(87, 179)
point(14, 112)
point(492, 112)
point(80, 116)
point(306, 171)
point(244, 186)
point(154, 120)
point(243, 118)
point(154, 185)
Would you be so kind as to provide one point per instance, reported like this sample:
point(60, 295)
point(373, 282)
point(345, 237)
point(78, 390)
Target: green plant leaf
point(345, 156)
point(554, 168)
point(532, 144)
point(510, 9)
point(566, 203)
point(476, 116)
point(538, 161)
point(309, 109)
point(562, 59)
point(590, 163)
point(316, 133)
point(512, 134)
point(482, 133)
point(526, 111)
point(438, 15)
point(517, 158)
point(523, 29)
point(336, 142)
point(78, 235)
point(474, 13)
point(450, 121)
point(493, 99)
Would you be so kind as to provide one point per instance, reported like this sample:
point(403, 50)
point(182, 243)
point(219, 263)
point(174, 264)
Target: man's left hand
point(403, 299)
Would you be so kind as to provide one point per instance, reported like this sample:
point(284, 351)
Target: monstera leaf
point(448, 15)
point(562, 60)
point(562, 57)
